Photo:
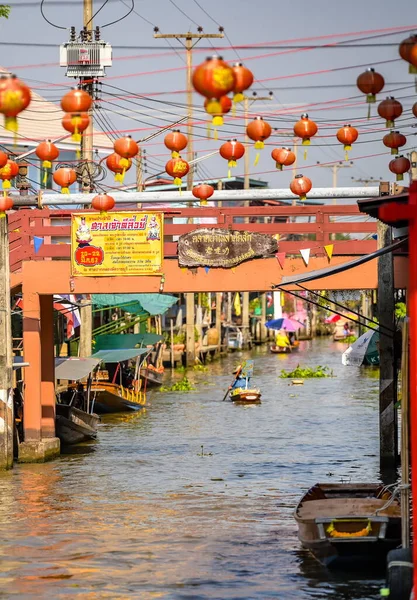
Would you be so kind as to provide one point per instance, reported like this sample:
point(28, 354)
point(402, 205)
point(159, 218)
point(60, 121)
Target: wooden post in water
point(219, 318)
point(86, 329)
point(263, 330)
point(388, 437)
point(245, 319)
point(190, 324)
point(172, 345)
point(6, 357)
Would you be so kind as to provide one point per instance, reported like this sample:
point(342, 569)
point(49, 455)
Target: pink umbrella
point(333, 319)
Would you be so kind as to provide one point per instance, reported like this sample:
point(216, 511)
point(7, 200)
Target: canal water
point(194, 497)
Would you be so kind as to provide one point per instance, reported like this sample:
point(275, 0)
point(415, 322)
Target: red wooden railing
point(298, 227)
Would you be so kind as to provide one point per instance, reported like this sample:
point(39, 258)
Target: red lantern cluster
point(283, 157)
point(258, 130)
point(399, 166)
point(394, 140)
point(232, 151)
point(76, 104)
point(103, 202)
point(15, 96)
point(214, 78)
point(65, 177)
point(203, 192)
point(8, 172)
point(347, 135)
point(126, 148)
point(390, 109)
point(305, 129)
point(47, 152)
point(217, 108)
point(300, 186)
point(75, 124)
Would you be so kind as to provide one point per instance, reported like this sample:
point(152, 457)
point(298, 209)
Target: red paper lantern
point(370, 83)
point(76, 124)
point(6, 203)
point(243, 81)
point(15, 96)
point(76, 101)
point(394, 140)
point(65, 177)
point(3, 159)
point(347, 135)
point(399, 166)
point(47, 152)
point(300, 186)
point(103, 202)
point(232, 151)
point(390, 109)
point(8, 172)
point(175, 141)
point(305, 129)
point(414, 109)
point(177, 168)
point(214, 78)
point(203, 192)
point(217, 108)
point(283, 157)
point(408, 52)
point(126, 147)
point(258, 130)
point(113, 163)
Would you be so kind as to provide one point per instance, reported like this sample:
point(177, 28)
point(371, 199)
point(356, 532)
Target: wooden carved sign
point(223, 248)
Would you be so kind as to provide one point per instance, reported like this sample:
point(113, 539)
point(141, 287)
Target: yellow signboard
point(117, 243)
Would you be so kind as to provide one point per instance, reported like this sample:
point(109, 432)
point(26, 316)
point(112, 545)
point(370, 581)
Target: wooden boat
point(74, 425)
point(113, 398)
point(280, 349)
point(349, 522)
point(151, 378)
point(250, 396)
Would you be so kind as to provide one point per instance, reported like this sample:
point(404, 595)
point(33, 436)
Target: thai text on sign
point(111, 244)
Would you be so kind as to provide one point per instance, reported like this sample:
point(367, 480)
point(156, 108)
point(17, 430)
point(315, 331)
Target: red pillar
point(47, 367)
point(32, 413)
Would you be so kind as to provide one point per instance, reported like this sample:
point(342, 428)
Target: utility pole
point(413, 160)
point(190, 41)
point(86, 309)
point(6, 355)
point(247, 103)
point(335, 171)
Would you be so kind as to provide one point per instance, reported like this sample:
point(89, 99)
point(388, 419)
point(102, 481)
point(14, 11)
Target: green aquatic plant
point(349, 339)
point(306, 372)
point(400, 310)
point(184, 385)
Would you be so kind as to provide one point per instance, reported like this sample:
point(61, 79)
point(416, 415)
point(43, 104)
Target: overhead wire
point(47, 20)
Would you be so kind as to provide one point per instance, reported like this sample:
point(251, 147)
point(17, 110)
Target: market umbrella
point(284, 323)
point(364, 351)
point(333, 319)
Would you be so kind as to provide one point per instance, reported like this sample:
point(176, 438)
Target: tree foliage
point(4, 10)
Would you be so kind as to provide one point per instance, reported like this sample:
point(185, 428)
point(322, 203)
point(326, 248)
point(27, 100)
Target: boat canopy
point(119, 355)
point(153, 304)
point(126, 340)
point(74, 369)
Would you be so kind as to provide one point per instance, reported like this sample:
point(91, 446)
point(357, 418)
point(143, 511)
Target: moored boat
point(246, 396)
point(280, 349)
point(349, 522)
point(75, 420)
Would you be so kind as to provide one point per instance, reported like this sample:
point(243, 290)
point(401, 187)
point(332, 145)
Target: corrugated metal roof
point(42, 120)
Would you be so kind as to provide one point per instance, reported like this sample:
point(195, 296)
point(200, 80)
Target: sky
point(144, 88)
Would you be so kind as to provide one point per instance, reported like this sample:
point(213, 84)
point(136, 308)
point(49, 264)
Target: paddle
point(230, 386)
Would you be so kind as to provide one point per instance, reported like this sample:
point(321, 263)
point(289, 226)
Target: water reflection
point(146, 512)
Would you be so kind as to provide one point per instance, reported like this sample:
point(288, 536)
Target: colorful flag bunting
point(305, 253)
point(37, 242)
point(329, 250)
point(207, 269)
point(280, 256)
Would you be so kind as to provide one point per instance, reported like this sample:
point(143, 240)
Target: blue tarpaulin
point(153, 304)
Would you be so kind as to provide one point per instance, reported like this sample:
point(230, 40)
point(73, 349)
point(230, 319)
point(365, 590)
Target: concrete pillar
point(263, 330)
point(388, 435)
point(36, 418)
point(219, 316)
point(190, 324)
point(86, 329)
point(6, 360)
point(245, 319)
point(47, 368)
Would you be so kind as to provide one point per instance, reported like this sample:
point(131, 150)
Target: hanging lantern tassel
point(178, 182)
point(370, 99)
point(347, 148)
point(306, 142)
point(10, 123)
point(124, 163)
point(46, 165)
point(259, 145)
point(217, 122)
point(400, 177)
point(232, 163)
point(65, 190)
point(6, 184)
point(237, 98)
point(76, 121)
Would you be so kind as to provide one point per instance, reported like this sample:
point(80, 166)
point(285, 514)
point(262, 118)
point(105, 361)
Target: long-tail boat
point(349, 522)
